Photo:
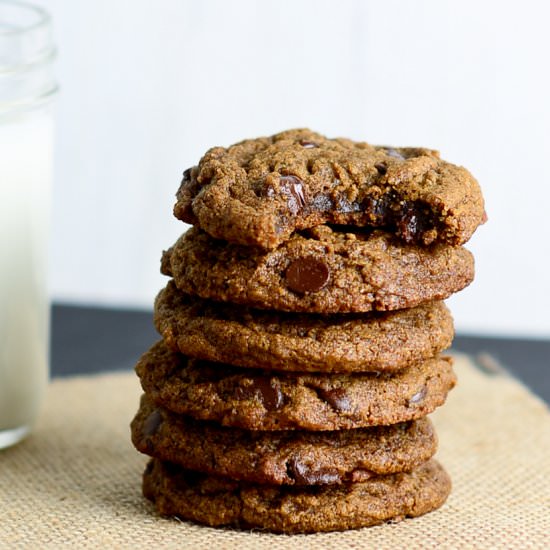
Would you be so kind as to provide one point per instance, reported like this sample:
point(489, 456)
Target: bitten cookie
point(321, 271)
point(289, 457)
point(259, 191)
point(219, 501)
point(246, 337)
point(260, 400)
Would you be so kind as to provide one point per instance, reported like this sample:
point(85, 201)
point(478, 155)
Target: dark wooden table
point(89, 340)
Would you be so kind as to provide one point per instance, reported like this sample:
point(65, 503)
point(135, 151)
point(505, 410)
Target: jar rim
point(43, 18)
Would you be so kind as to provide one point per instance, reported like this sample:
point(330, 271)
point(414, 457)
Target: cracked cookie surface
point(259, 191)
point(242, 336)
point(282, 458)
point(321, 270)
point(267, 400)
point(219, 501)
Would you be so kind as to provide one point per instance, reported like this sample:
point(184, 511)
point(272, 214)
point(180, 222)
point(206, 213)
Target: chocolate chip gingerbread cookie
point(288, 457)
point(266, 400)
point(259, 191)
point(241, 336)
point(219, 501)
point(323, 270)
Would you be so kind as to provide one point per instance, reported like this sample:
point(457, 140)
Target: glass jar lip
point(43, 18)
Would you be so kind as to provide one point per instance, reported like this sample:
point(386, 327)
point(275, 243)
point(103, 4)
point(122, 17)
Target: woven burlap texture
point(76, 481)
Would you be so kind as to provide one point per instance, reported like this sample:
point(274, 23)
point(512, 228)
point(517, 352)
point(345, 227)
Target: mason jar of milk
point(27, 88)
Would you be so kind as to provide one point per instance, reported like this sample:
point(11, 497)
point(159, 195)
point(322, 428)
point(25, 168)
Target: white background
point(148, 86)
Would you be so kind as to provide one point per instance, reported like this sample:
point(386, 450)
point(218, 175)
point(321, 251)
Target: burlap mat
point(76, 481)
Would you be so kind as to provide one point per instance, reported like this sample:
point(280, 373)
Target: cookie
point(322, 270)
point(363, 342)
point(259, 191)
point(219, 501)
point(288, 457)
point(266, 400)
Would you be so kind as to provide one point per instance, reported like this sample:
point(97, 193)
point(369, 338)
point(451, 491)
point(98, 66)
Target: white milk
point(26, 143)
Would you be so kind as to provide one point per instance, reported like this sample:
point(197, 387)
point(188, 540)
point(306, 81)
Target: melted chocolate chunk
point(293, 188)
point(411, 220)
point(409, 225)
point(414, 222)
point(186, 176)
point(185, 478)
point(307, 275)
point(303, 474)
point(266, 390)
point(192, 186)
point(379, 208)
point(336, 398)
point(382, 169)
point(152, 423)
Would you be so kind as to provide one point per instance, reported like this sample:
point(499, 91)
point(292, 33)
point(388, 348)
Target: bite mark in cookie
point(258, 192)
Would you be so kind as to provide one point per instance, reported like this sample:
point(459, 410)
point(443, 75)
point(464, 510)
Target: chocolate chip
point(307, 274)
point(182, 479)
point(270, 393)
point(408, 226)
point(303, 474)
point(165, 265)
point(379, 209)
point(293, 188)
point(188, 190)
point(336, 398)
point(306, 144)
point(186, 175)
point(418, 396)
point(382, 169)
point(412, 220)
point(484, 218)
point(266, 390)
point(152, 423)
point(391, 152)
point(415, 222)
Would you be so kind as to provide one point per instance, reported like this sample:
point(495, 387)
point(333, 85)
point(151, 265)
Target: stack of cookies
point(302, 332)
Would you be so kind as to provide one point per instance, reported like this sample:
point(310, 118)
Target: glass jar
point(27, 87)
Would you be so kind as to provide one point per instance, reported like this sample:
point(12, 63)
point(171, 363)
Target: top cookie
point(259, 191)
